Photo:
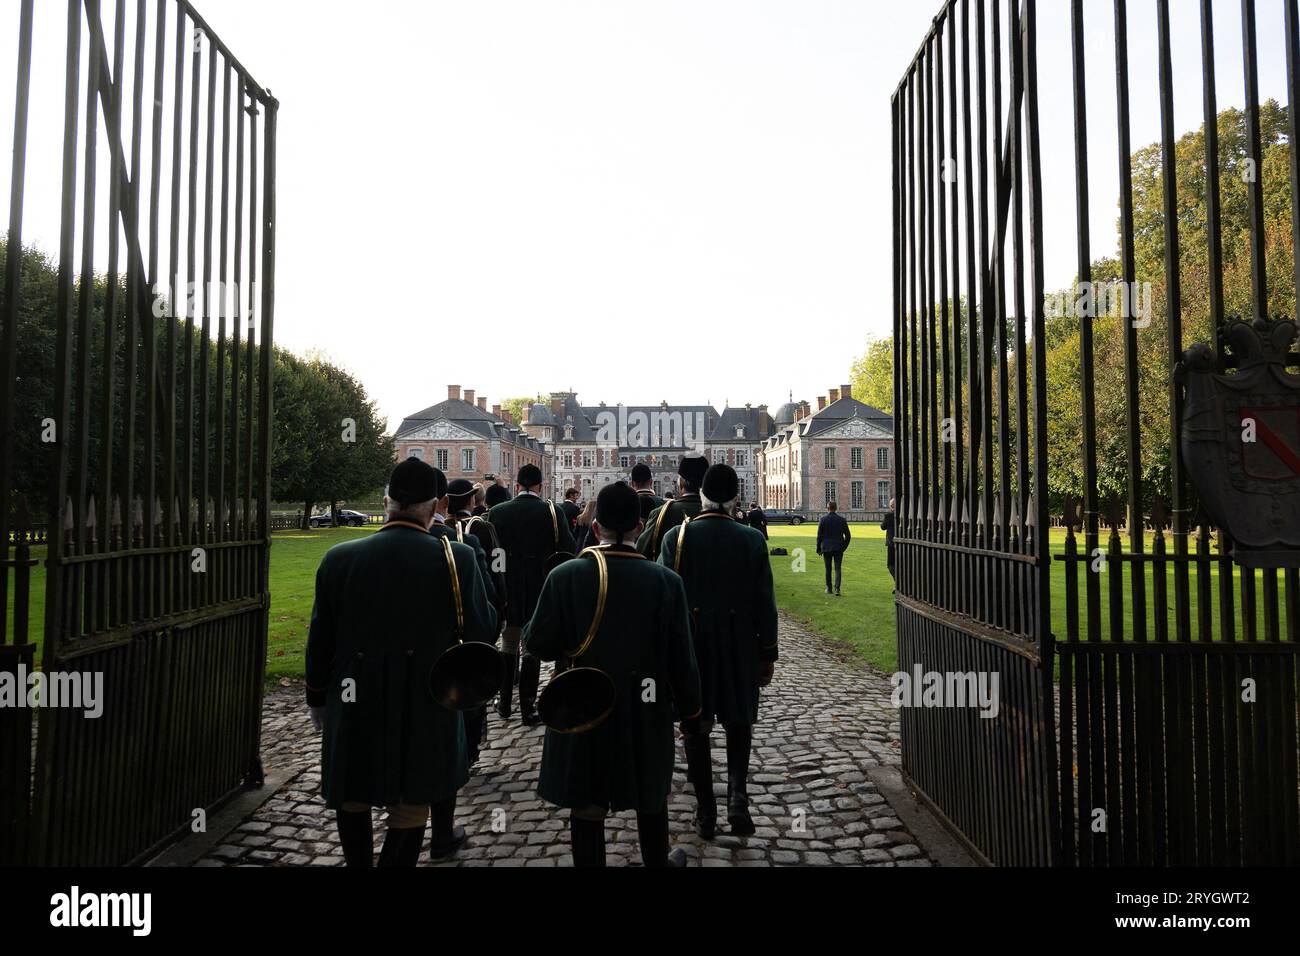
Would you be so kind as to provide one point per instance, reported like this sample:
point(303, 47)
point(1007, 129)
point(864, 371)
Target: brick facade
point(843, 451)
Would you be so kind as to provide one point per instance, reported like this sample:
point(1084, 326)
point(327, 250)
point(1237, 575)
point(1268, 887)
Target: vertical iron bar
point(9, 306)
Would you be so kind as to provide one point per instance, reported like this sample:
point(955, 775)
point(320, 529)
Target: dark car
point(347, 519)
point(784, 516)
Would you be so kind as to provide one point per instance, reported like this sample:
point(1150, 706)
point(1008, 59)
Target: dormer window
point(740, 431)
point(568, 433)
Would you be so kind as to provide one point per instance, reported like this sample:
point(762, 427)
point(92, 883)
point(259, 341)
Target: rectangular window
point(741, 459)
point(587, 460)
point(882, 459)
point(568, 459)
point(883, 495)
point(467, 459)
point(857, 495)
point(830, 492)
point(443, 457)
point(830, 459)
point(625, 461)
point(856, 459)
point(417, 453)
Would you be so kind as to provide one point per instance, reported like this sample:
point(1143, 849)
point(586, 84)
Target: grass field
point(862, 620)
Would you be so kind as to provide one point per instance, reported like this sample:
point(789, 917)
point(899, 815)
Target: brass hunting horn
point(469, 673)
point(581, 698)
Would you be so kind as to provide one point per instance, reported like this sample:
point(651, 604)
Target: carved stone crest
point(1241, 441)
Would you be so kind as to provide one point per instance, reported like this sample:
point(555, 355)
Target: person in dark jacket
point(572, 510)
point(757, 519)
point(642, 640)
point(385, 610)
point(464, 526)
point(728, 578)
point(674, 510)
point(888, 525)
point(643, 485)
point(531, 530)
point(495, 495)
point(832, 541)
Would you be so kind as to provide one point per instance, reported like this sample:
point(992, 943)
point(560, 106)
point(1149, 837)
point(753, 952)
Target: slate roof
point(469, 417)
point(758, 425)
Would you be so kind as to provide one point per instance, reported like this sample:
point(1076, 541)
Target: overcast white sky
point(682, 199)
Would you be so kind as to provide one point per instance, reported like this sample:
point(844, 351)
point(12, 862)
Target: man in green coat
point(674, 510)
point(642, 641)
point(531, 530)
point(446, 524)
point(386, 608)
point(725, 568)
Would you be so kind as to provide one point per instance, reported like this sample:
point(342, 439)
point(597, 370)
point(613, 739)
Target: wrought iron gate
point(156, 445)
point(1176, 741)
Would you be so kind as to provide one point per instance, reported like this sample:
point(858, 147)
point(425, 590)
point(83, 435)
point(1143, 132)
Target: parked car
point(347, 519)
point(784, 516)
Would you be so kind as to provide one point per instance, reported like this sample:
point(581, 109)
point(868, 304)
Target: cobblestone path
point(825, 721)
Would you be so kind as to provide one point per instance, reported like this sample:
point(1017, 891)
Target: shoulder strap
point(602, 570)
point(555, 524)
point(657, 540)
point(455, 588)
point(681, 545)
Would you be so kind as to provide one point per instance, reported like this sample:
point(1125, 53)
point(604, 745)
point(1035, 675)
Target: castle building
point(842, 452)
point(464, 439)
point(801, 459)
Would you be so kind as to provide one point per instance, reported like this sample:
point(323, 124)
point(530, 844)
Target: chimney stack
point(482, 404)
point(846, 391)
point(453, 393)
point(821, 402)
point(469, 395)
point(833, 397)
point(496, 410)
point(507, 417)
point(557, 407)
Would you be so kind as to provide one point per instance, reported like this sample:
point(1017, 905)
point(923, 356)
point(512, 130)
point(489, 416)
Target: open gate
point(154, 450)
point(1152, 719)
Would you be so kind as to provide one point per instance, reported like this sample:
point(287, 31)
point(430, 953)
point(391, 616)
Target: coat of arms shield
point(1241, 440)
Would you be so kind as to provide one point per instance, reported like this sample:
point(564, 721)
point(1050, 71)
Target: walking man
point(387, 605)
point(627, 619)
point(887, 525)
point(643, 485)
point(728, 579)
point(674, 511)
point(832, 541)
point(530, 530)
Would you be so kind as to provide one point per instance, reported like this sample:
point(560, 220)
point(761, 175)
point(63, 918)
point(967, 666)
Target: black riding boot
point(739, 743)
point(508, 683)
point(530, 675)
point(402, 847)
point(652, 832)
point(699, 771)
point(588, 840)
point(357, 838)
point(445, 838)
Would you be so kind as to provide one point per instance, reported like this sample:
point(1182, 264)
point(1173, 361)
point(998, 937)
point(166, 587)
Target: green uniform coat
point(679, 509)
point(627, 762)
point(728, 580)
point(383, 615)
point(524, 528)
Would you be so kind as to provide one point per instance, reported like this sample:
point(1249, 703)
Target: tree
point(515, 406)
point(1064, 362)
point(872, 375)
point(329, 436)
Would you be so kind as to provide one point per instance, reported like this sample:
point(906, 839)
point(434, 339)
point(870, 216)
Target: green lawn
point(862, 620)
point(295, 555)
